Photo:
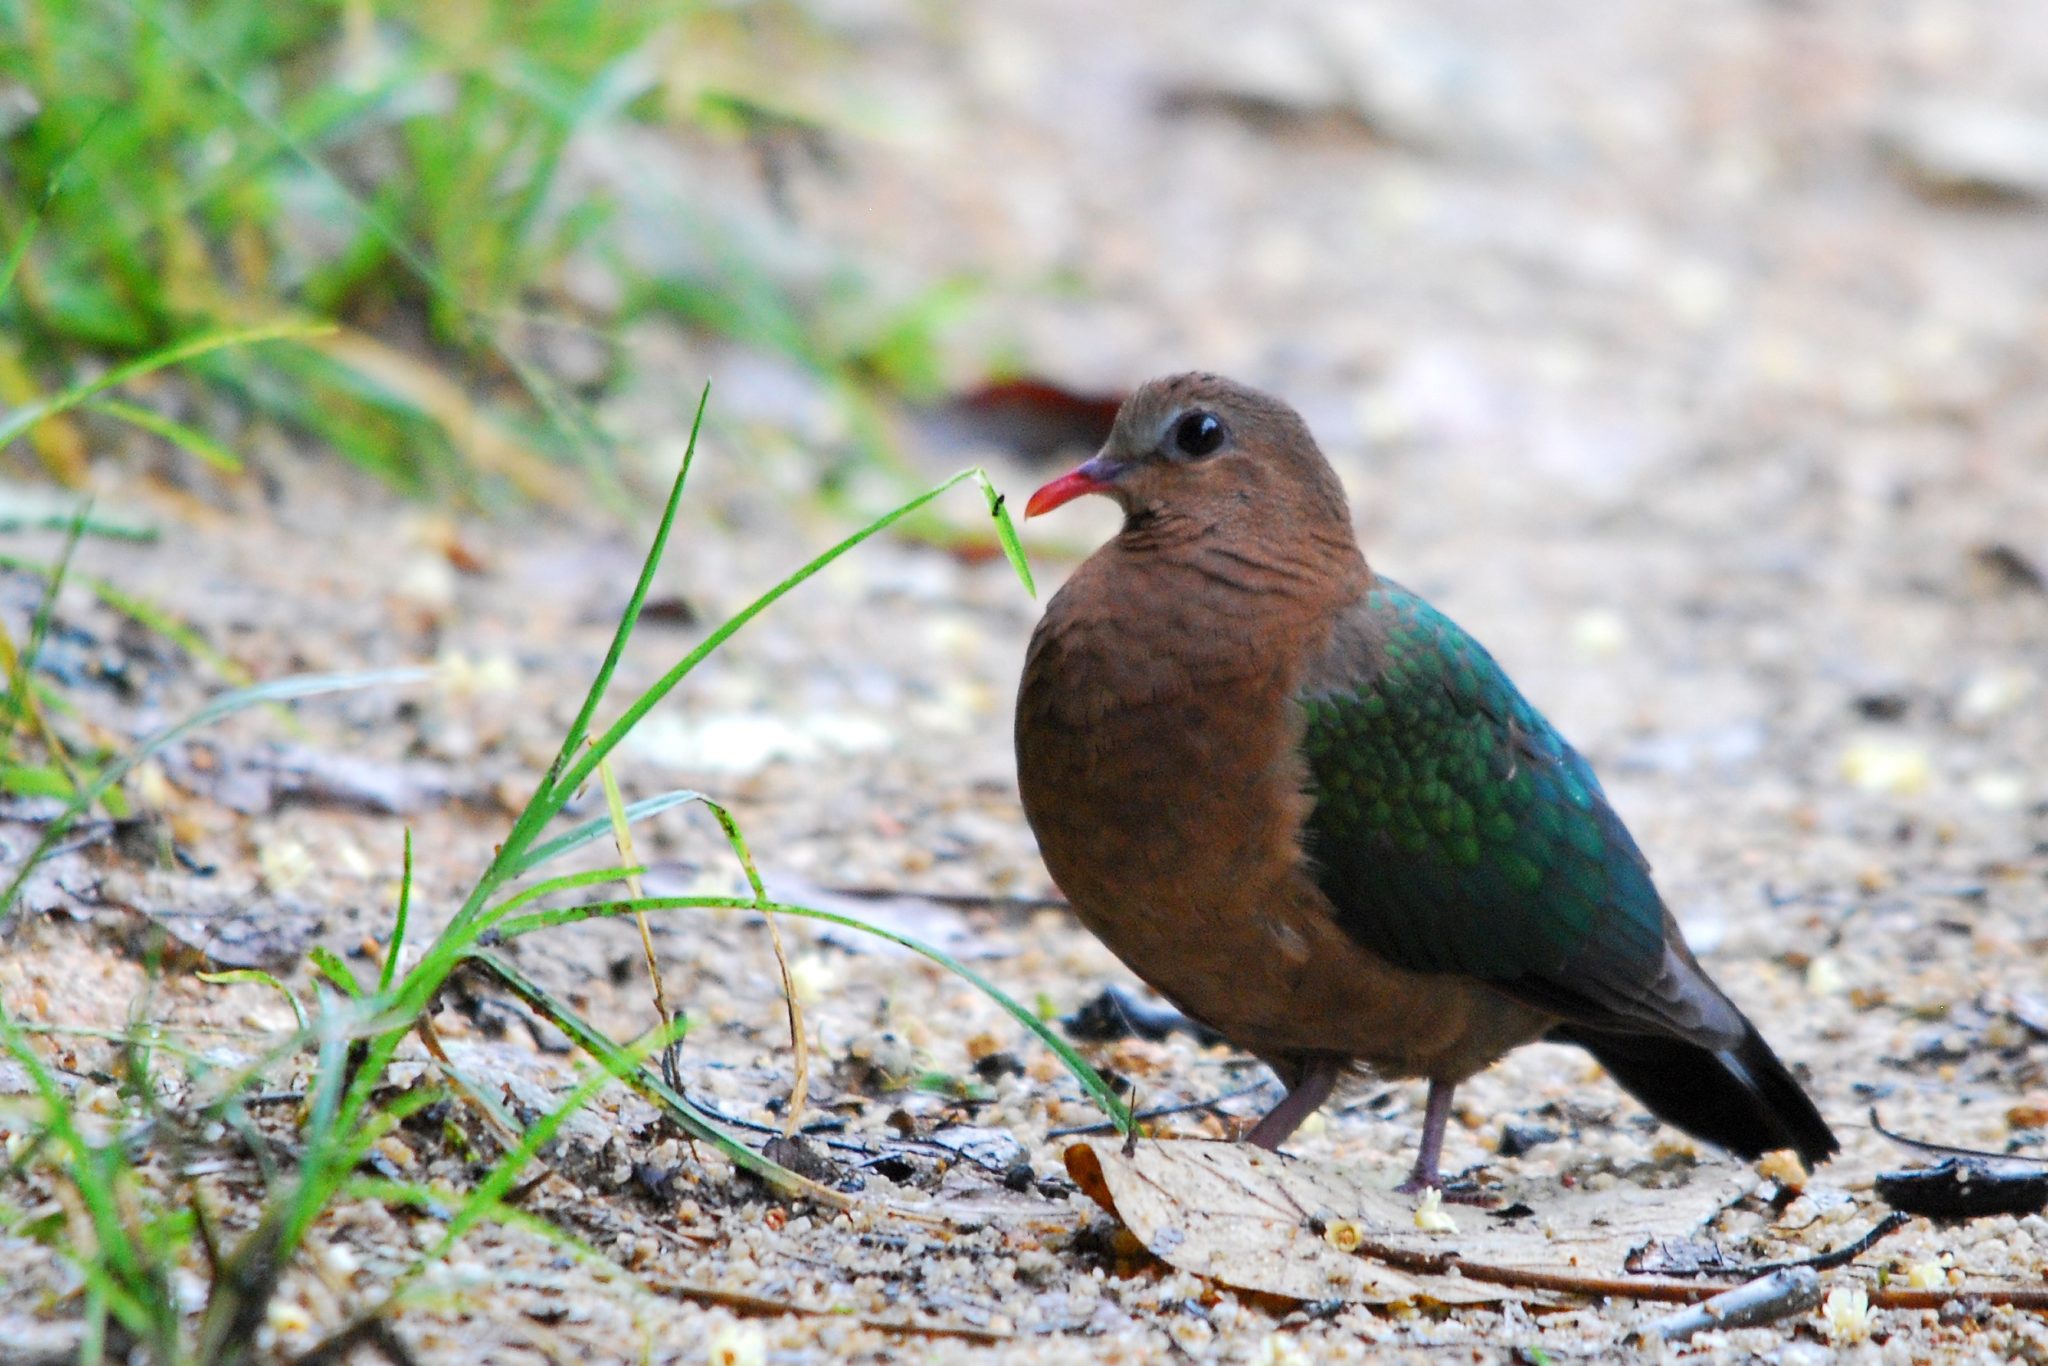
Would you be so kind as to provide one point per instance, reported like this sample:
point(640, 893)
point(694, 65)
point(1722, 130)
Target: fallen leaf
point(1260, 1221)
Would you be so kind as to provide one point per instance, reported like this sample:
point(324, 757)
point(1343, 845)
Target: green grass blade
point(1006, 532)
point(326, 963)
point(630, 618)
point(600, 826)
point(19, 251)
point(35, 780)
point(21, 419)
point(1086, 1075)
point(222, 707)
point(567, 882)
point(646, 702)
point(649, 1083)
point(549, 797)
point(135, 533)
point(143, 612)
point(39, 630)
point(187, 439)
point(266, 979)
point(397, 944)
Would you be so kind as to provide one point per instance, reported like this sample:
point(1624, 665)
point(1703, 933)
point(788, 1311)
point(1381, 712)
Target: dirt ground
point(1692, 359)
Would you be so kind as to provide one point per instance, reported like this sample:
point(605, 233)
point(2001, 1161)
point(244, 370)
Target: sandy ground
point(1690, 361)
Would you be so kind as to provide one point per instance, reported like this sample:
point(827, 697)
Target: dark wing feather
point(1455, 831)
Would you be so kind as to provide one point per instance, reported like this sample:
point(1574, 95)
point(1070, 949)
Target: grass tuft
point(132, 1232)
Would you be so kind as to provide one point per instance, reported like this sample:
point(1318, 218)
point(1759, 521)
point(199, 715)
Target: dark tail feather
point(1742, 1098)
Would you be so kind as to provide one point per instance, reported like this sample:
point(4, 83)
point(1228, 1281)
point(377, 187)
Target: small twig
point(1781, 1294)
point(1949, 1150)
point(368, 1329)
point(2032, 1298)
point(1670, 1291)
point(1828, 1261)
point(259, 1099)
point(1212, 1104)
point(961, 901)
point(759, 1306)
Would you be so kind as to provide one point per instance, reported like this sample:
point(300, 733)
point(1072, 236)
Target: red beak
point(1089, 478)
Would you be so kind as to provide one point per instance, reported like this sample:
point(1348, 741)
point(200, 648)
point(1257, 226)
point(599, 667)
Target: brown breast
point(1157, 756)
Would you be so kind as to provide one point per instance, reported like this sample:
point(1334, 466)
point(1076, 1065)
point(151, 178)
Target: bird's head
point(1206, 451)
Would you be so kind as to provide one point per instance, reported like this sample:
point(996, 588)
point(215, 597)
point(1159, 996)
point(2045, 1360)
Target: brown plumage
point(1176, 761)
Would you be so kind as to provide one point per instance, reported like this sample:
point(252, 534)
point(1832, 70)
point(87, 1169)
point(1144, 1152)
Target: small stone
point(737, 1344)
point(1517, 1139)
point(1824, 976)
point(1599, 633)
point(1430, 1216)
point(1845, 1315)
point(398, 1152)
point(2030, 1113)
point(1888, 765)
point(1783, 1167)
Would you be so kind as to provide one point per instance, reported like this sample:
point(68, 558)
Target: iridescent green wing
point(1455, 831)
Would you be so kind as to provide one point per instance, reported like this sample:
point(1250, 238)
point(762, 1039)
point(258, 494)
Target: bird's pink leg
point(1435, 1115)
point(1318, 1078)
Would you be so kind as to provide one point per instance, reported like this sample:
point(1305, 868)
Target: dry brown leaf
point(1259, 1220)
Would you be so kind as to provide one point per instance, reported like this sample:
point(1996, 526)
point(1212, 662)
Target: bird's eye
point(1198, 434)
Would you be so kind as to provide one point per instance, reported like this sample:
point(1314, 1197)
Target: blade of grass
point(646, 702)
point(397, 944)
point(14, 523)
point(800, 1087)
point(327, 965)
point(543, 806)
point(35, 780)
point(622, 838)
point(1090, 1080)
point(283, 689)
point(671, 1101)
point(257, 975)
point(143, 612)
point(1006, 532)
point(39, 631)
point(187, 439)
point(597, 826)
point(24, 691)
point(527, 895)
point(18, 421)
point(51, 190)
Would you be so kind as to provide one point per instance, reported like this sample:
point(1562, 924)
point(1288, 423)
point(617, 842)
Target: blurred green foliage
point(200, 165)
point(229, 161)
